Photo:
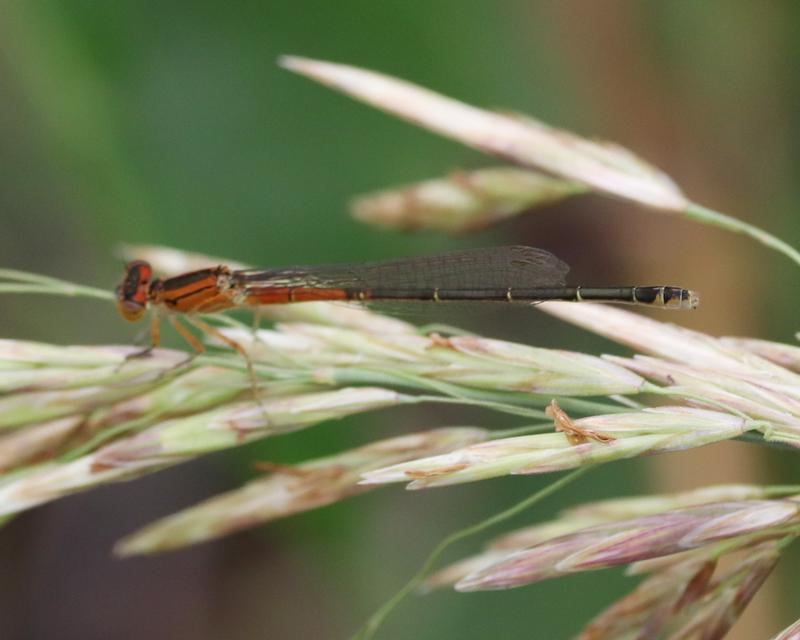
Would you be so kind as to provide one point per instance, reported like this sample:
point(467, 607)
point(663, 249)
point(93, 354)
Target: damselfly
point(499, 274)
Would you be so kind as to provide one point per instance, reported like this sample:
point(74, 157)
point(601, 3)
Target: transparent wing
point(489, 268)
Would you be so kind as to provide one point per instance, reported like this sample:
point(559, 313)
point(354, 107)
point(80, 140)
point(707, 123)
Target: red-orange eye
point(133, 291)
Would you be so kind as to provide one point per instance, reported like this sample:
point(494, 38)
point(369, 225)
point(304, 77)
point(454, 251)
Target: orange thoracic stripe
point(198, 291)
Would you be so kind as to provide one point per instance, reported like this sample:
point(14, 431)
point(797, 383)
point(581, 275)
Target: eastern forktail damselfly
point(499, 274)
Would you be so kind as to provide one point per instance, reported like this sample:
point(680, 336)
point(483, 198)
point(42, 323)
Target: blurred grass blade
point(290, 490)
point(669, 341)
point(179, 439)
point(790, 633)
point(596, 513)
point(648, 608)
point(785, 355)
point(726, 596)
point(605, 167)
point(625, 541)
point(463, 200)
point(633, 434)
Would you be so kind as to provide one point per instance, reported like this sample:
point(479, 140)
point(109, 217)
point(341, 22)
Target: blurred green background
point(170, 123)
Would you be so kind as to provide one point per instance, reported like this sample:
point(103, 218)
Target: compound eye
point(133, 292)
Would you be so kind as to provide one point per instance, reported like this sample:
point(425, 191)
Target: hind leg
point(186, 334)
point(216, 333)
